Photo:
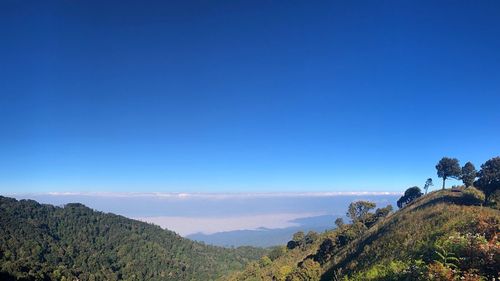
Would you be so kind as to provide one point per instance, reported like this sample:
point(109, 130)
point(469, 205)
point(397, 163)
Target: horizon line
point(208, 195)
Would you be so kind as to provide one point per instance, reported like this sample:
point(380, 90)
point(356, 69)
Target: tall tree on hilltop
point(469, 174)
point(448, 168)
point(428, 183)
point(489, 176)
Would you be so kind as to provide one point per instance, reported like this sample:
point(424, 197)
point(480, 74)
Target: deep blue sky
point(212, 96)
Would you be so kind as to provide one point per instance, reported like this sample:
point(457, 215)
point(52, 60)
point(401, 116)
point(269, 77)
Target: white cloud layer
point(215, 196)
point(190, 225)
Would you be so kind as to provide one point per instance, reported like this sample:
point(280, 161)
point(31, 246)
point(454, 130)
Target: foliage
point(300, 239)
point(489, 176)
point(469, 174)
point(309, 270)
point(311, 237)
point(392, 271)
point(276, 252)
point(410, 195)
point(297, 240)
point(473, 196)
point(326, 249)
point(445, 257)
point(358, 210)
point(339, 222)
point(379, 214)
point(448, 168)
point(265, 261)
point(43, 242)
point(494, 199)
point(440, 272)
point(428, 183)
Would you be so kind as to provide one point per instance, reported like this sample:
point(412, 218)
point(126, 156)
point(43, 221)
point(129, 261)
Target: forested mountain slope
point(43, 242)
point(441, 236)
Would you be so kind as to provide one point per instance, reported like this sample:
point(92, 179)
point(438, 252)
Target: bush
point(307, 270)
point(494, 200)
point(265, 261)
point(439, 272)
point(325, 250)
point(473, 196)
point(277, 252)
point(410, 195)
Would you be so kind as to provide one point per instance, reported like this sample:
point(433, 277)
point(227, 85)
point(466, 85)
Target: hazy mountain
point(265, 237)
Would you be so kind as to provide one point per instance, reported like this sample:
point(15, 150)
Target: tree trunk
point(444, 179)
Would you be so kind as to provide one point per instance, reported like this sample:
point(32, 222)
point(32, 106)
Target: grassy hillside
point(440, 236)
point(43, 242)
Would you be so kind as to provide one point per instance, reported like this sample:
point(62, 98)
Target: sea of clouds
point(188, 213)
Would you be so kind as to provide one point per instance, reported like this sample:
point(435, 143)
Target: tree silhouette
point(469, 174)
point(428, 183)
point(489, 176)
point(448, 168)
point(411, 194)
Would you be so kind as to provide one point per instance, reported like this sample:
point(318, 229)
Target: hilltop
point(74, 242)
point(439, 236)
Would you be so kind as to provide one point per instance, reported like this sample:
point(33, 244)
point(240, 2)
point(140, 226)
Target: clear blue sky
point(212, 96)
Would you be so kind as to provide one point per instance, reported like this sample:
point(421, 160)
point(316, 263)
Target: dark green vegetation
point(444, 235)
point(440, 236)
point(43, 242)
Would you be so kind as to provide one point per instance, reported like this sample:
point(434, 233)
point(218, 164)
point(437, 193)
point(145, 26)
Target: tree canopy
point(358, 210)
point(448, 168)
point(489, 176)
point(469, 174)
point(428, 183)
point(410, 195)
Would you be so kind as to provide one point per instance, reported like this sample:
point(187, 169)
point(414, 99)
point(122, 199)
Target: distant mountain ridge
point(265, 237)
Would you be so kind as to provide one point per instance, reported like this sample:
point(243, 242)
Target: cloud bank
point(190, 225)
point(214, 196)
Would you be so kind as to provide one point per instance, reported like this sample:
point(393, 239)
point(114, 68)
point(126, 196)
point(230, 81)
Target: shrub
point(277, 252)
point(281, 273)
point(265, 261)
point(392, 271)
point(325, 250)
point(439, 272)
point(298, 240)
point(410, 195)
point(473, 196)
point(494, 200)
point(311, 237)
point(308, 270)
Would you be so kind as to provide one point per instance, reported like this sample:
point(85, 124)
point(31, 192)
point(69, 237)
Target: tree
point(410, 195)
point(339, 222)
point(383, 212)
point(298, 236)
point(489, 176)
point(358, 210)
point(379, 214)
point(428, 183)
point(448, 168)
point(311, 237)
point(297, 240)
point(469, 174)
